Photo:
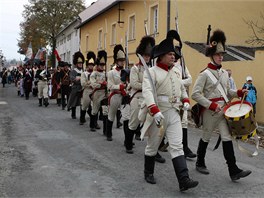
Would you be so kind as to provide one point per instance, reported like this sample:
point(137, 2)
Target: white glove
point(158, 117)
point(186, 106)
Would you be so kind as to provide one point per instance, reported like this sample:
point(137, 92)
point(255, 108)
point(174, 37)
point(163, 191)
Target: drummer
point(213, 101)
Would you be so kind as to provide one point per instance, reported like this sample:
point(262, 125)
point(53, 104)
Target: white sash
point(219, 86)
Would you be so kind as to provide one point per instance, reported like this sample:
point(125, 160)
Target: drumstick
point(242, 100)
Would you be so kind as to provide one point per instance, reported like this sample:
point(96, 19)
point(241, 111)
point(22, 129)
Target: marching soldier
point(211, 98)
point(65, 83)
point(75, 77)
point(163, 117)
point(125, 111)
point(116, 87)
point(187, 81)
point(99, 85)
point(87, 88)
point(27, 80)
point(43, 76)
point(56, 89)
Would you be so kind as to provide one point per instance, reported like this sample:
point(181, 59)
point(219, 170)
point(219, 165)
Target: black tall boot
point(138, 133)
point(118, 118)
point(159, 158)
point(46, 102)
point(89, 111)
point(96, 121)
point(82, 116)
point(101, 114)
point(149, 169)
point(73, 112)
point(200, 163)
point(181, 170)
point(109, 130)
point(92, 123)
point(187, 151)
point(40, 102)
point(59, 102)
point(234, 172)
point(63, 103)
point(104, 124)
point(129, 134)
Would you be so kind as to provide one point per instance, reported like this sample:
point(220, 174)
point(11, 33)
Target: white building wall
point(68, 42)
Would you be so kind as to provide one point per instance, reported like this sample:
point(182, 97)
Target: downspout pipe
point(168, 14)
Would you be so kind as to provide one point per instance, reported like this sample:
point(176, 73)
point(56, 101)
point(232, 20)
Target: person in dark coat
point(28, 78)
point(65, 83)
point(75, 77)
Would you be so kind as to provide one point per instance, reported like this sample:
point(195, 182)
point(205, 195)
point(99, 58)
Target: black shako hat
point(165, 47)
point(78, 58)
point(119, 53)
point(90, 58)
point(175, 35)
point(146, 45)
point(101, 57)
point(217, 43)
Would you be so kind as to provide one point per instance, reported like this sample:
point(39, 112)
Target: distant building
point(68, 41)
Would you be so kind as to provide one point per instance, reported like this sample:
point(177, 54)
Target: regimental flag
point(57, 55)
point(40, 54)
point(29, 53)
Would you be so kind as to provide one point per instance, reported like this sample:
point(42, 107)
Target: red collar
point(213, 67)
point(163, 66)
point(117, 68)
point(100, 70)
point(139, 63)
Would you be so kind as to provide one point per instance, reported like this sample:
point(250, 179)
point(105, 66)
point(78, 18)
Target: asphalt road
point(44, 153)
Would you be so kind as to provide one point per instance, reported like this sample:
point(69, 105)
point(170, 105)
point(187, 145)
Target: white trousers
point(211, 121)
point(42, 89)
point(172, 130)
point(98, 96)
point(115, 104)
point(134, 109)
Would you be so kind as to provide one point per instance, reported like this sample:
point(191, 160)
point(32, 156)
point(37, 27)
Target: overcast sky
point(10, 18)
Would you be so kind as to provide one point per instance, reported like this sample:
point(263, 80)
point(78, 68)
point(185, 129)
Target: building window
point(100, 39)
point(113, 39)
point(87, 43)
point(154, 20)
point(132, 27)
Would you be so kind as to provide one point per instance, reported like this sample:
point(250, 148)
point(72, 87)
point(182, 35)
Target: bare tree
point(258, 31)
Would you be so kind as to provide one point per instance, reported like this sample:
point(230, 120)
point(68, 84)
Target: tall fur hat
point(101, 57)
point(119, 53)
point(78, 58)
point(175, 35)
point(146, 45)
point(217, 43)
point(91, 58)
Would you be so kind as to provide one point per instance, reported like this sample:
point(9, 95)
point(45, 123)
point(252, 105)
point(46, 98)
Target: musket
point(126, 49)
point(184, 76)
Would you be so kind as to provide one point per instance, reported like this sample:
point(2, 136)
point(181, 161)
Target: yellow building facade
point(124, 22)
